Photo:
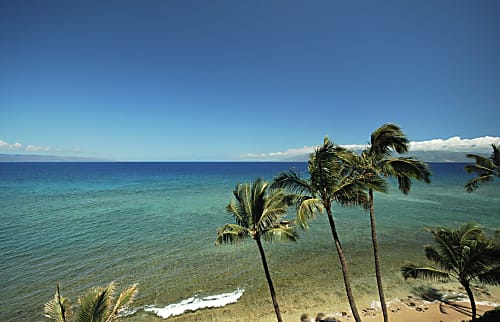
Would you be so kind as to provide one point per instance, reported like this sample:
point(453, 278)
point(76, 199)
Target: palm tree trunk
point(471, 298)
point(343, 263)
point(269, 281)
point(377, 258)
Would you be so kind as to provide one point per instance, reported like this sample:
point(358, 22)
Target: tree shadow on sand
point(446, 301)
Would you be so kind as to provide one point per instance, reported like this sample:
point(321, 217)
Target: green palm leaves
point(485, 168)
point(464, 254)
point(97, 305)
point(258, 212)
point(378, 160)
point(334, 178)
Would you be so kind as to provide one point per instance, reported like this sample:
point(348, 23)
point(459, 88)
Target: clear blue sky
point(215, 80)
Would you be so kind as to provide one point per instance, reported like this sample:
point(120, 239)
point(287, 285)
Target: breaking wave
point(195, 303)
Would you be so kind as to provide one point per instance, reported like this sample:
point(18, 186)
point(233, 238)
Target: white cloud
point(6, 146)
point(453, 144)
point(280, 154)
point(456, 144)
point(34, 148)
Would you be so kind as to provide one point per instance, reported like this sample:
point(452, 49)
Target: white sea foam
point(196, 303)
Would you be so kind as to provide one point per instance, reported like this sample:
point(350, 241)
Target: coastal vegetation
point(333, 179)
point(259, 214)
point(378, 160)
point(464, 254)
point(486, 169)
point(336, 177)
point(97, 305)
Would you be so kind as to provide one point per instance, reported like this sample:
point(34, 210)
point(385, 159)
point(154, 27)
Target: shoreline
point(428, 311)
point(413, 308)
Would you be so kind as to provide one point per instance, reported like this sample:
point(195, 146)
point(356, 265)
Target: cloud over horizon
point(5, 146)
point(453, 144)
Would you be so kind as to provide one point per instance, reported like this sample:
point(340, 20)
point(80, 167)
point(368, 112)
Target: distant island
point(427, 156)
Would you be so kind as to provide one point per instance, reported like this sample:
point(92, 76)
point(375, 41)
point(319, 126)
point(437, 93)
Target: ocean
point(87, 224)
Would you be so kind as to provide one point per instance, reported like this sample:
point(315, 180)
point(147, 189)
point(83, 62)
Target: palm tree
point(97, 305)
point(378, 159)
point(333, 179)
point(464, 254)
point(486, 168)
point(258, 212)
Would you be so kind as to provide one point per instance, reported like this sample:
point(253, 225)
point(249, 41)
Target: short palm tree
point(333, 179)
point(258, 212)
point(485, 168)
point(378, 159)
point(97, 305)
point(464, 254)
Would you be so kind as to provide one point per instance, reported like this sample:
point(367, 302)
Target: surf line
point(195, 303)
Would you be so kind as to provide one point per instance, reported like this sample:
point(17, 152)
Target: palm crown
point(334, 178)
point(464, 254)
point(258, 212)
point(485, 168)
point(96, 305)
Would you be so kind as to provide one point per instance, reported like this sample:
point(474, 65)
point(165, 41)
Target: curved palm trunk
point(343, 263)
point(377, 258)
point(471, 298)
point(269, 281)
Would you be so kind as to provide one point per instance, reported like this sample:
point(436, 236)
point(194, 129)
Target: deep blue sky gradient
point(214, 80)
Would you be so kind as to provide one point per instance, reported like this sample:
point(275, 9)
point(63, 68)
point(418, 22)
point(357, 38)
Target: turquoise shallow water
point(85, 224)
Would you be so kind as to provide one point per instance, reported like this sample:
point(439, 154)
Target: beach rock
point(322, 317)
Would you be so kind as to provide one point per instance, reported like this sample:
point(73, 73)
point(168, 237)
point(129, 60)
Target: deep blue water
point(85, 224)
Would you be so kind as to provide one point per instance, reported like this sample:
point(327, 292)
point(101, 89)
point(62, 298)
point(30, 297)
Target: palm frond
point(388, 138)
point(231, 233)
point(291, 182)
point(124, 299)
point(258, 200)
point(469, 232)
point(491, 276)
point(281, 232)
point(95, 305)
point(308, 210)
point(410, 270)
point(405, 169)
point(474, 183)
point(59, 308)
point(446, 245)
point(495, 155)
point(442, 259)
point(481, 164)
point(485, 168)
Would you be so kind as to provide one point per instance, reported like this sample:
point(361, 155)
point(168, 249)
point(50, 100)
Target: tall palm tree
point(333, 179)
point(486, 168)
point(97, 305)
point(464, 254)
point(258, 212)
point(379, 159)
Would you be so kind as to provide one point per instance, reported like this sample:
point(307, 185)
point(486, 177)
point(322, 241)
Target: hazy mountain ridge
point(45, 158)
point(427, 156)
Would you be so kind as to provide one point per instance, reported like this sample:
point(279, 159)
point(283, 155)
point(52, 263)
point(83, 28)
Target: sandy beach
point(428, 312)
point(443, 304)
point(414, 309)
